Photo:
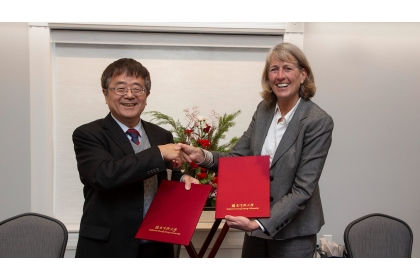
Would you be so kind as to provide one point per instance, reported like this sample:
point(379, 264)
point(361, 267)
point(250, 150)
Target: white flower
point(200, 118)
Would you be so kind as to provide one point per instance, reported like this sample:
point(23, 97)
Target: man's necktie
point(135, 135)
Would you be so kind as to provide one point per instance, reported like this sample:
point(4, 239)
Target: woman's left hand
point(241, 223)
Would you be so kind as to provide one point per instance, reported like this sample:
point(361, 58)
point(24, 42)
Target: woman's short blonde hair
point(288, 53)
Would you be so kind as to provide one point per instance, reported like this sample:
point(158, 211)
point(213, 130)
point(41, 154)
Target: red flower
point(188, 131)
point(214, 181)
point(203, 170)
point(207, 129)
point(205, 143)
point(201, 175)
point(193, 164)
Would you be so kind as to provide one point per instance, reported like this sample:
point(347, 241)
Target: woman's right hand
point(191, 153)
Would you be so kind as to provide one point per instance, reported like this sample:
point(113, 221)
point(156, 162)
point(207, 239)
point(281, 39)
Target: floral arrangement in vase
point(202, 132)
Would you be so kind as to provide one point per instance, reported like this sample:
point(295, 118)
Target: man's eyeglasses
point(136, 91)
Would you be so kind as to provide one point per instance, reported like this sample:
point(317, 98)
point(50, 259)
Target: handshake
point(180, 153)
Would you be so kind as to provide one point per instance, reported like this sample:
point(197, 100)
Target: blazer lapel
point(262, 125)
point(117, 134)
point(292, 130)
point(153, 137)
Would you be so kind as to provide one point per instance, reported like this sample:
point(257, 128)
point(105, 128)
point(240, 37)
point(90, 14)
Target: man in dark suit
point(121, 161)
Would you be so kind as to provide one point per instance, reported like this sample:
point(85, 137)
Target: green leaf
point(225, 123)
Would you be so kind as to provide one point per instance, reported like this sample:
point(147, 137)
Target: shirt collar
point(124, 127)
point(289, 115)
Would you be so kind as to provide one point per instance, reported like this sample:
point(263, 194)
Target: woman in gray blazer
point(296, 134)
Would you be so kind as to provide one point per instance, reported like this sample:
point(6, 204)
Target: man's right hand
point(173, 153)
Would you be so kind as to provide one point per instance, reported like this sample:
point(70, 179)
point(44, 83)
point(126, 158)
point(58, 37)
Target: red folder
point(243, 187)
point(174, 213)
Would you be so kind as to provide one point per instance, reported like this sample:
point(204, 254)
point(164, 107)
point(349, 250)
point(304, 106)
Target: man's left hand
point(188, 180)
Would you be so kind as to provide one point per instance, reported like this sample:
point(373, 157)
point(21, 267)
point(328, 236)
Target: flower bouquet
point(204, 133)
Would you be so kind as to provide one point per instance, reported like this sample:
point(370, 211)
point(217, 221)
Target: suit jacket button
point(271, 198)
point(277, 228)
point(140, 208)
point(282, 225)
point(271, 178)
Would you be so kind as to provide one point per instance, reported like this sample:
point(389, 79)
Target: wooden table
point(190, 247)
point(193, 253)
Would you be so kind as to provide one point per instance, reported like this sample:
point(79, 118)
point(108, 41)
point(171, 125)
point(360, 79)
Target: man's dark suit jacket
point(112, 175)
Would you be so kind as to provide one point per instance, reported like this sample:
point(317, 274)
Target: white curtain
point(214, 72)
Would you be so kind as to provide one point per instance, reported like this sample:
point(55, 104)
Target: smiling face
point(126, 108)
point(285, 79)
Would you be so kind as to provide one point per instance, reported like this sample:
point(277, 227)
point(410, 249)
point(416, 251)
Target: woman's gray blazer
point(295, 201)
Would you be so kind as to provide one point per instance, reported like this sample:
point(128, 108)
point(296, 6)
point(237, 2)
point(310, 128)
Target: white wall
point(367, 77)
point(15, 176)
